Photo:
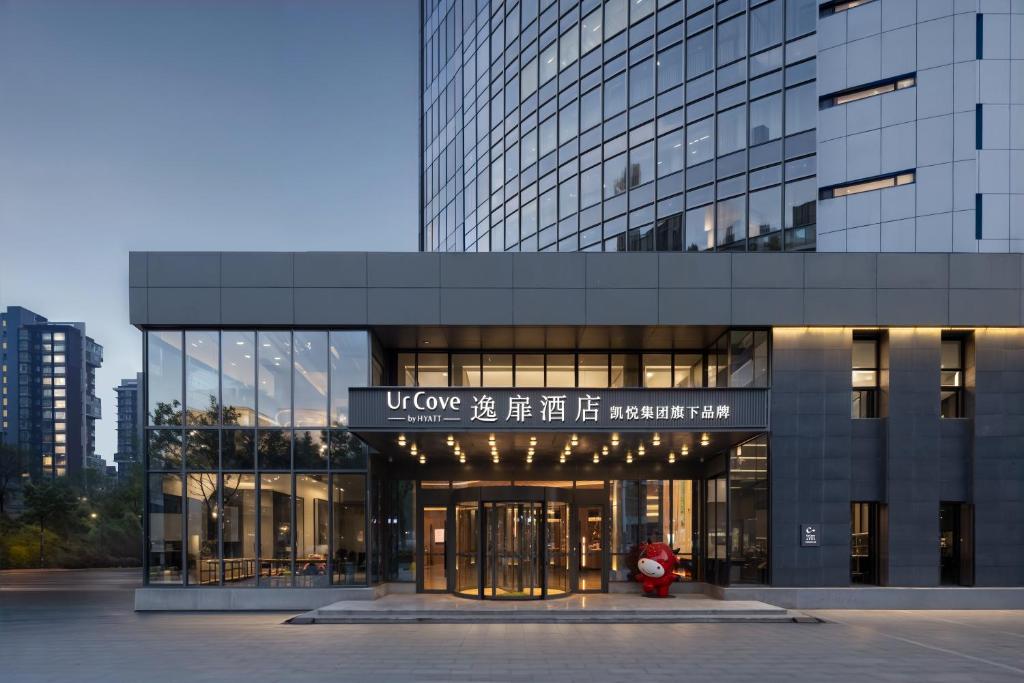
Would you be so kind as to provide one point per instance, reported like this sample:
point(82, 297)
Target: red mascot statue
point(656, 566)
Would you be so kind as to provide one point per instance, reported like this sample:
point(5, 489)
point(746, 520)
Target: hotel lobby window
point(864, 398)
point(163, 376)
point(275, 378)
point(748, 512)
point(864, 543)
point(238, 378)
point(310, 379)
point(164, 507)
point(238, 529)
point(202, 351)
point(952, 395)
point(275, 530)
point(201, 525)
point(312, 526)
point(349, 355)
point(348, 493)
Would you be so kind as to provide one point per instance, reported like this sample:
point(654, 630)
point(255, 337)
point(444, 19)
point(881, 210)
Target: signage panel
point(552, 409)
point(810, 536)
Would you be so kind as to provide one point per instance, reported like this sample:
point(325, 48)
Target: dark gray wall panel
point(257, 305)
point(403, 306)
point(256, 269)
point(840, 306)
point(621, 306)
point(768, 306)
point(184, 305)
point(811, 455)
point(403, 270)
point(538, 271)
point(475, 306)
point(330, 269)
point(183, 269)
point(694, 306)
point(330, 306)
point(695, 270)
point(923, 271)
point(622, 271)
point(476, 270)
point(549, 306)
point(840, 271)
point(913, 446)
point(998, 459)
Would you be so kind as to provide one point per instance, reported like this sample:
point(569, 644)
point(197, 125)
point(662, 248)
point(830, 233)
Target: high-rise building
point(130, 414)
point(49, 397)
point(779, 125)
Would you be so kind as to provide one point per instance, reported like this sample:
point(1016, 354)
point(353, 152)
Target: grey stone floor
point(79, 626)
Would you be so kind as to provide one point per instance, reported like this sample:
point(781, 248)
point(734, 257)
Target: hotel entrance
point(512, 542)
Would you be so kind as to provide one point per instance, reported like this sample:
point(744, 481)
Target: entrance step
point(576, 609)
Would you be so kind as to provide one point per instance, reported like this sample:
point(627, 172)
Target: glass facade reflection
point(609, 126)
point(253, 478)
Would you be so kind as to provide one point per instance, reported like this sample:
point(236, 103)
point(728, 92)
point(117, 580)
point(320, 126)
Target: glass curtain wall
point(253, 478)
point(647, 511)
point(618, 125)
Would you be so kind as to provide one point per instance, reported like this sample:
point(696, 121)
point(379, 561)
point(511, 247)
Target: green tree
point(53, 505)
point(13, 466)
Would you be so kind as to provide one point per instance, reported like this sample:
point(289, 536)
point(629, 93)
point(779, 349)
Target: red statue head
point(657, 566)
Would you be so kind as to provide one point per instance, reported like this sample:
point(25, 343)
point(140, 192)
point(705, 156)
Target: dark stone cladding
point(394, 288)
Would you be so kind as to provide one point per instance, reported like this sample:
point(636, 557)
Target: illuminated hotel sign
point(553, 409)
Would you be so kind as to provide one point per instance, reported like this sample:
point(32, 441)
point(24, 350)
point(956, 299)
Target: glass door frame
point(589, 498)
point(503, 494)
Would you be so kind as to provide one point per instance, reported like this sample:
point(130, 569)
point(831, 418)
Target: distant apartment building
point(49, 403)
point(129, 424)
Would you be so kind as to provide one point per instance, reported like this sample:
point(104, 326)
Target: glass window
point(801, 108)
point(238, 449)
point(561, 370)
point(657, 370)
point(765, 212)
point(800, 210)
point(310, 360)
point(732, 130)
point(590, 109)
point(569, 47)
point(801, 17)
point(616, 16)
point(641, 82)
point(568, 123)
point(615, 176)
point(700, 142)
point(164, 376)
point(201, 449)
point(466, 370)
point(590, 187)
point(567, 198)
point(591, 31)
point(528, 79)
point(670, 153)
point(310, 449)
point(203, 559)
point(549, 62)
point(312, 530)
point(275, 530)
point(625, 370)
point(670, 67)
point(731, 220)
point(864, 399)
point(348, 493)
point(863, 543)
point(274, 447)
point(432, 369)
point(347, 452)
point(615, 96)
point(275, 379)
point(202, 369)
point(952, 404)
point(748, 512)
point(548, 208)
point(164, 449)
point(528, 219)
point(689, 370)
point(166, 528)
point(497, 370)
point(700, 229)
point(349, 356)
point(593, 371)
point(405, 371)
point(732, 40)
point(548, 135)
point(529, 370)
point(641, 165)
point(640, 9)
point(238, 378)
point(766, 26)
point(238, 529)
point(700, 55)
point(766, 119)
point(528, 149)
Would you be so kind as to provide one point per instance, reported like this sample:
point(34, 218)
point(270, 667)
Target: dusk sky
point(195, 125)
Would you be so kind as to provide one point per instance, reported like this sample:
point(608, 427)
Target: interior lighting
point(401, 439)
point(604, 450)
point(412, 449)
point(574, 440)
point(423, 459)
point(671, 457)
point(596, 458)
point(450, 440)
point(656, 439)
point(490, 440)
point(686, 449)
point(615, 439)
point(705, 439)
point(629, 458)
point(640, 450)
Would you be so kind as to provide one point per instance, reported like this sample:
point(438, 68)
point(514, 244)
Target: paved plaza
point(79, 626)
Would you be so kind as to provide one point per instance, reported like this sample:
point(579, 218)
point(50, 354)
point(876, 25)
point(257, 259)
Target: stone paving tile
point(74, 631)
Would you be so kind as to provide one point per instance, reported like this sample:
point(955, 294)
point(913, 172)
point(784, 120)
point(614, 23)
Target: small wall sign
point(810, 537)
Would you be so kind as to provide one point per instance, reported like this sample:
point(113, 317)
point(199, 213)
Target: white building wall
point(930, 128)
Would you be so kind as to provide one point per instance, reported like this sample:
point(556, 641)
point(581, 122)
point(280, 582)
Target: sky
point(195, 125)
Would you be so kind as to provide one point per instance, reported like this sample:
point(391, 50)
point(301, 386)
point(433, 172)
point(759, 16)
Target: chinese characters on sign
point(486, 408)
